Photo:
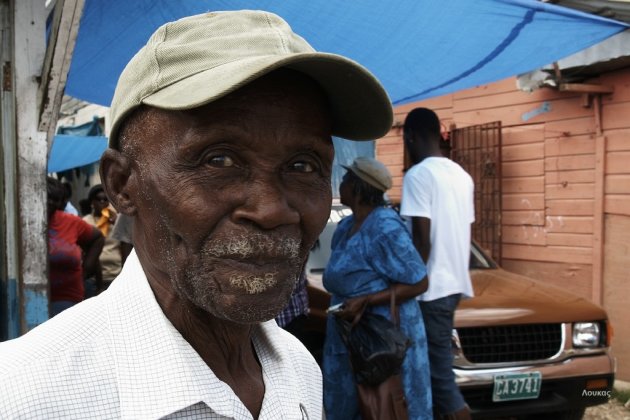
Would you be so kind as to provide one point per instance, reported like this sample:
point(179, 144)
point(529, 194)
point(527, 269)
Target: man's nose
point(267, 205)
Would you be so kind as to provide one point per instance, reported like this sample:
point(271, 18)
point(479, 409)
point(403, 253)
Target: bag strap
point(393, 310)
point(358, 316)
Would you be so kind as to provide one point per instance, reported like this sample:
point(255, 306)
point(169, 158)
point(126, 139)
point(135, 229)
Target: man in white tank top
point(438, 197)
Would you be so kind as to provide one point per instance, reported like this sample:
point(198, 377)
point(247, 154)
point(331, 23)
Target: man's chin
point(241, 298)
point(247, 314)
point(241, 308)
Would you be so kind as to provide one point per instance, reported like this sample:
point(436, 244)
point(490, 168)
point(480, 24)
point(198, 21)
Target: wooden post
point(9, 263)
point(65, 27)
point(598, 207)
point(29, 47)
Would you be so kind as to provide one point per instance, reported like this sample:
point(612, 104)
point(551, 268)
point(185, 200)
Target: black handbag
point(376, 345)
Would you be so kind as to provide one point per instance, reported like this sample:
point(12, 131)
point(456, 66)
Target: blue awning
point(74, 151)
point(417, 48)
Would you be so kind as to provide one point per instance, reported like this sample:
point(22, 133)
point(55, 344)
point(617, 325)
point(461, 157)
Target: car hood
point(503, 298)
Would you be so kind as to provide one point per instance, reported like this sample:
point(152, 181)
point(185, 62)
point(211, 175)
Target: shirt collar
point(149, 350)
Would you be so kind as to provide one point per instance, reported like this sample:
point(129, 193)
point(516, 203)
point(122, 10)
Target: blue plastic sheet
point(74, 151)
point(417, 48)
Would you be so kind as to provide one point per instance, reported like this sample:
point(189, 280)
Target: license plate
point(516, 386)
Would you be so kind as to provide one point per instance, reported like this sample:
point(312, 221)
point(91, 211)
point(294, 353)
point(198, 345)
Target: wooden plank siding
point(616, 293)
point(548, 163)
point(565, 181)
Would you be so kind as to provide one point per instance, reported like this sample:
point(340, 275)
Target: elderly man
point(220, 150)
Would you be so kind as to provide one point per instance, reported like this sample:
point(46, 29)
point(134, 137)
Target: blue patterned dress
point(380, 253)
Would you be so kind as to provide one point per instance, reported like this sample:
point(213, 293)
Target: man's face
point(100, 202)
point(345, 189)
point(231, 196)
point(414, 145)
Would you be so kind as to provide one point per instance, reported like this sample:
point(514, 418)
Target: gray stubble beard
point(199, 284)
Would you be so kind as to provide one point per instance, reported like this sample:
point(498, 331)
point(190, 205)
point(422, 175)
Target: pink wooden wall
point(566, 185)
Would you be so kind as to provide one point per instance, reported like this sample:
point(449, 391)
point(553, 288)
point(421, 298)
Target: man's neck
point(224, 346)
point(427, 153)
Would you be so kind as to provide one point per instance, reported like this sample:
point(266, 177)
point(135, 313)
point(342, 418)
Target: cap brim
point(360, 106)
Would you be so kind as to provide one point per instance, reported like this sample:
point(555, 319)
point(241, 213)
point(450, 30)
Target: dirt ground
point(614, 410)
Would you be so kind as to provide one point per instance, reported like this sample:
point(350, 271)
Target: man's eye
point(303, 167)
point(221, 161)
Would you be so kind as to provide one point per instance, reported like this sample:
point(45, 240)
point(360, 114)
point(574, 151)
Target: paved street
point(614, 410)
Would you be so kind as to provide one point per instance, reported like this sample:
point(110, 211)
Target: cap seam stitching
point(278, 33)
point(157, 62)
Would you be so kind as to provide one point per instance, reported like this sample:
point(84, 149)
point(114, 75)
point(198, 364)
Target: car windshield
point(478, 259)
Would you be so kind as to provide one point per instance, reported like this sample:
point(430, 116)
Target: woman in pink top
point(73, 250)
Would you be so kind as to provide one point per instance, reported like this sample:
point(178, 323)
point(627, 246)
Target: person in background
point(69, 208)
point(221, 150)
point(103, 218)
point(372, 256)
point(438, 197)
point(85, 207)
point(73, 250)
point(122, 232)
point(294, 318)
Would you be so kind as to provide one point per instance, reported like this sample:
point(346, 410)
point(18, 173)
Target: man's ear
point(116, 174)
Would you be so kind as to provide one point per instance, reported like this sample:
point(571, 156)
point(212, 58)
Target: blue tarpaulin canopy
point(75, 146)
point(73, 151)
point(417, 48)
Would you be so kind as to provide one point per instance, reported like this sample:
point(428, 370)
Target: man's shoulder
point(287, 345)
point(78, 332)
point(424, 169)
point(89, 218)
point(438, 167)
point(58, 366)
point(293, 363)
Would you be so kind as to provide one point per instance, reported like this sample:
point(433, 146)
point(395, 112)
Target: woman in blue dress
point(373, 254)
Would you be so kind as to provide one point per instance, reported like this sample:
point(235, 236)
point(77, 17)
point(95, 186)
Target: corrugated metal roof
point(609, 55)
point(612, 9)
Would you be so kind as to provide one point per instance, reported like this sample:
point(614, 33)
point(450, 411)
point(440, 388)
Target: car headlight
point(586, 334)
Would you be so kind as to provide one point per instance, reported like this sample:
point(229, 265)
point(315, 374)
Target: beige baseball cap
point(199, 59)
point(371, 171)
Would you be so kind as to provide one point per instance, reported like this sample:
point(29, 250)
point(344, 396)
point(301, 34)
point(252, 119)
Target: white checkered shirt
point(118, 356)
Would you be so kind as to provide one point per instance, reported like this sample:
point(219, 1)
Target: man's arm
point(402, 291)
point(421, 230)
point(92, 250)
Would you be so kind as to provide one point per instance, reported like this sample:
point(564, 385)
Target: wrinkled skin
point(228, 198)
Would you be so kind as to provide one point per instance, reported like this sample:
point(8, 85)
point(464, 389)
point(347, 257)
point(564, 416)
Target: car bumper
point(567, 385)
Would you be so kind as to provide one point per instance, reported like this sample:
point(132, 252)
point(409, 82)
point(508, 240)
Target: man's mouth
point(254, 284)
point(254, 263)
point(254, 247)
